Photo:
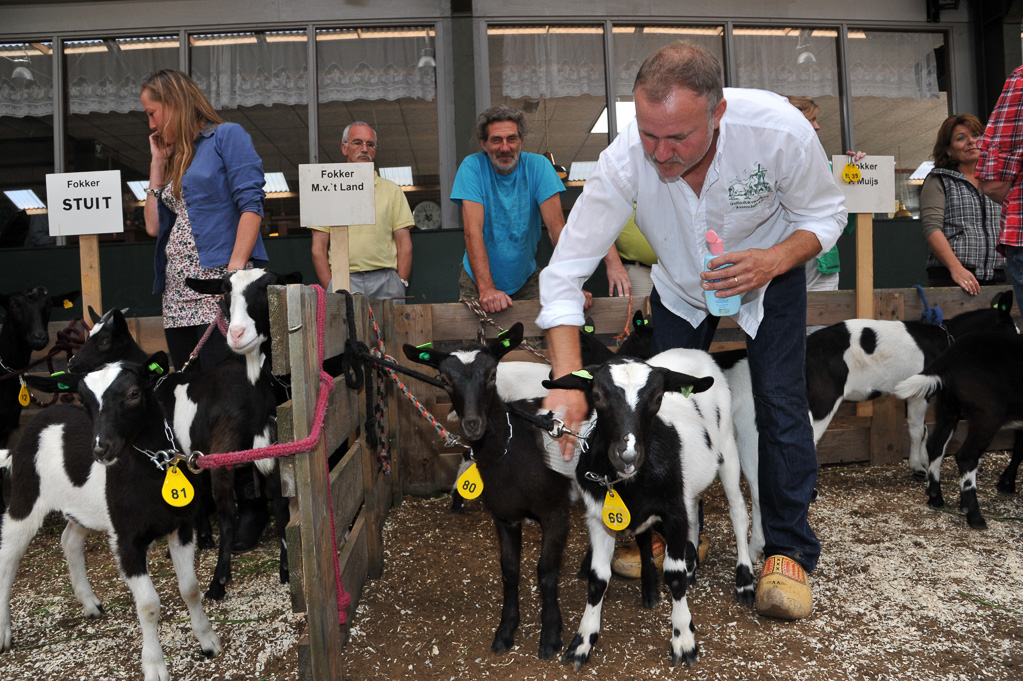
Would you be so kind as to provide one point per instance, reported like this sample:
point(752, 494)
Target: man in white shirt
point(748, 165)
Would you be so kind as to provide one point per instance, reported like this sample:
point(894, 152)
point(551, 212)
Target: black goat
point(517, 483)
point(980, 379)
point(101, 467)
point(24, 332)
point(638, 344)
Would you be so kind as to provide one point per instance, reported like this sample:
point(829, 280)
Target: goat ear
point(684, 383)
point(639, 319)
point(424, 354)
point(157, 365)
point(60, 382)
point(1003, 301)
point(207, 286)
point(506, 341)
point(589, 328)
point(293, 277)
point(67, 300)
point(577, 380)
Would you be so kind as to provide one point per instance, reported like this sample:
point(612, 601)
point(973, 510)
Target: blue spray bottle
point(719, 307)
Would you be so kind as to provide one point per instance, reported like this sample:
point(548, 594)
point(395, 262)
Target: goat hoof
point(503, 640)
point(550, 649)
point(1006, 487)
point(936, 502)
point(578, 652)
point(686, 656)
point(651, 599)
point(285, 576)
point(815, 495)
point(216, 592)
point(205, 541)
point(745, 595)
point(976, 521)
point(919, 475)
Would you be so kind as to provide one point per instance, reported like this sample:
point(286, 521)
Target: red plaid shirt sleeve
point(1002, 155)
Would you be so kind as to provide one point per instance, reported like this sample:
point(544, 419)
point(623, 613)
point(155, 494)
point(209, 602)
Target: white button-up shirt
point(769, 177)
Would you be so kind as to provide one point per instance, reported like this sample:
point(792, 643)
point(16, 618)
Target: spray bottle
point(719, 307)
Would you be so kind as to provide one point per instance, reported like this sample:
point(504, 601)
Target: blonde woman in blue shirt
point(204, 204)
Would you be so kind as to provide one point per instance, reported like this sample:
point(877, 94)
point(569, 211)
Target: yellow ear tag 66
point(177, 490)
point(616, 515)
point(23, 397)
point(851, 173)
point(470, 484)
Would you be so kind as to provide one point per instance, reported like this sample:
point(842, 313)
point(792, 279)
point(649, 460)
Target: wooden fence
point(872, 432)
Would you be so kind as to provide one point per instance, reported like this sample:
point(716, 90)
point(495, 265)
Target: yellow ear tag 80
point(470, 484)
point(851, 173)
point(616, 515)
point(177, 490)
point(23, 397)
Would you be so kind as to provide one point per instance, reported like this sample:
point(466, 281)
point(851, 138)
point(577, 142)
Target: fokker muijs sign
point(84, 203)
point(868, 184)
point(336, 194)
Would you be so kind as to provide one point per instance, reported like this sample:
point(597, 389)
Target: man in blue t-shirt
point(504, 192)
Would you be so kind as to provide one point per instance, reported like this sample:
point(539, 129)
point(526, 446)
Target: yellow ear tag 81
point(177, 490)
point(616, 515)
point(23, 397)
point(851, 173)
point(470, 484)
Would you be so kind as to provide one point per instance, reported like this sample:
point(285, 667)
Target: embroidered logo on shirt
point(750, 191)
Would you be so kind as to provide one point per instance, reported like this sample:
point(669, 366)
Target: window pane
point(258, 80)
point(107, 129)
point(555, 76)
point(633, 44)
point(899, 98)
point(26, 135)
point(799, 62)
point(385, 77)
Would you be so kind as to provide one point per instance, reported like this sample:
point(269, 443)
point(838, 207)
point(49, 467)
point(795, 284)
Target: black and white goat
point(231, 408)
point(512, 460)
point(100, 467)
point(638, 344)
point(659, 448)
point(854, 361)
point(24, 332)
point(979, 379)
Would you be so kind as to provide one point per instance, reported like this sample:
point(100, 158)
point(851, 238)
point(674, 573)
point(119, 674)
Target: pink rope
point(284, 448)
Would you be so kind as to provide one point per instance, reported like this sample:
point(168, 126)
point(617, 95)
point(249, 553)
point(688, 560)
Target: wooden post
point(339, 260)
point(887, 423)
point(311, 481)
point(864, 280)
point(88, 254)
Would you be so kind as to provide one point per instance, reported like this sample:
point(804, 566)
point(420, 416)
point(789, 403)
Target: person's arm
point(321, 262)
point(617, 276)
point(946, 256)
point(160, 152)
point(569, 405)
point(995, 190)
point(244, 240)
point(492, 299)
point(743, 271)
point(403, 242)
point(553, 216)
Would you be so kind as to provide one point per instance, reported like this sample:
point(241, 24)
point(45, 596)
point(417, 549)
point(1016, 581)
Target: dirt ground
point(902, 592)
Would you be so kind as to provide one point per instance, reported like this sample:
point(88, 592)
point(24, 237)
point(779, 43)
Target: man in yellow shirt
point(380, 255)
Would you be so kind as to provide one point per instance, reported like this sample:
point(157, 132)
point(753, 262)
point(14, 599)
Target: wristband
point(153, 192)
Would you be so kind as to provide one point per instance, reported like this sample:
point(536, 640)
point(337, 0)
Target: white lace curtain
point(532, 65)
point(231, 75)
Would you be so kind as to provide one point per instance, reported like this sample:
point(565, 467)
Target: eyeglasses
point(363, 143)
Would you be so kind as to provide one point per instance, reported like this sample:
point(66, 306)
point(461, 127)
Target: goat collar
point(162, 458)
point(511, 432)
point(951, 338)
point(603, 480)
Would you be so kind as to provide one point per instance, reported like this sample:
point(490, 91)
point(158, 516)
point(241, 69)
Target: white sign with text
point(84, 203)
point(333, 194)
point(874, 190)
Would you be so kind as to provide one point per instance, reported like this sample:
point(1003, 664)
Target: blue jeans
point(788, 458)
point(1014, 271)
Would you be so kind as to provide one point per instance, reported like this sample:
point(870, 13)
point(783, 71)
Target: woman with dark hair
point(960, 224)
point(204, 204)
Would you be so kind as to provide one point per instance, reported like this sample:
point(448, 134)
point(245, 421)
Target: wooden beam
point(88, 254)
